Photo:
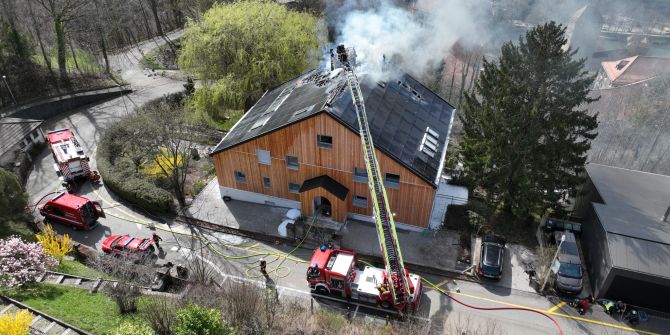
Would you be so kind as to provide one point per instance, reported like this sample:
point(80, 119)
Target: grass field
point(78, 269)
point(93, 312)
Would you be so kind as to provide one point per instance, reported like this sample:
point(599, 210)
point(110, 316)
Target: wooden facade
point(411, 202)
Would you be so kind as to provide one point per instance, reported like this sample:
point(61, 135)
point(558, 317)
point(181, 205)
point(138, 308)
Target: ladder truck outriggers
point(71, 161)
point(338, 272)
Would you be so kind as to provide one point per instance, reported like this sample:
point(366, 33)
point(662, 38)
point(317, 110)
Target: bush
point(21, 262)
point(53, 244)
point(17, 323)
point(133, 328)
point(120, 175)
point(197, 320)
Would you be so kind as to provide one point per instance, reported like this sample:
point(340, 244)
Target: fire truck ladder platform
point(388, 239)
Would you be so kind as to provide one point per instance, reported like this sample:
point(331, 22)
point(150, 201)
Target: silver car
point(569, 277)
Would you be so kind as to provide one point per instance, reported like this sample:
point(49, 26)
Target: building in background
point(631, 70)
point(626, 235)
point(16, 136)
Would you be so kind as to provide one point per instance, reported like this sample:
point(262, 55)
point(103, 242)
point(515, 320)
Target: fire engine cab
point(71, 161)
point(337, 272)
point(72, 210)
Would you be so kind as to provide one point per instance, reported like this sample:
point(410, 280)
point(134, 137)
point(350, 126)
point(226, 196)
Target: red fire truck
point(72, 210)
point(337, 272)
point(71, 161)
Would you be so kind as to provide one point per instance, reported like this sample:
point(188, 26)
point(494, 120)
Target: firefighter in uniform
point(264, 268)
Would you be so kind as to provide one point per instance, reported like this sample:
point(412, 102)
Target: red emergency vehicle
point(127, 246)
point(71, 161)
point(72, 210)
point(337, 272)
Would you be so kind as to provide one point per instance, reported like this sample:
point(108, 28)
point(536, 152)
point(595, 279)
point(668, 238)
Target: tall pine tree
point(526, 129)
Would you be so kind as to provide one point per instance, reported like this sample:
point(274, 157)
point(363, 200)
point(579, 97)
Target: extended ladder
point(388, 239)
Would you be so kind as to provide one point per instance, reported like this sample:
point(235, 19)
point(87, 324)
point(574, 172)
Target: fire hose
point(558, 326)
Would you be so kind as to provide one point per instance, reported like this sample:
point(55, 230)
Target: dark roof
point(14, 130)
point(634, 203)
point(399, 112)
point(329, 184)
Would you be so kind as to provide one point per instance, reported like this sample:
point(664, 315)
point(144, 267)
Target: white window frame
point(264, 157)
point(359, 201)
point(289, 164)
point(320, 143)
point(295, 190)
point(391, 184)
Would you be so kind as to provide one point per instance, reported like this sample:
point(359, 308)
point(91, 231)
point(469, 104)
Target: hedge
point(119, 175)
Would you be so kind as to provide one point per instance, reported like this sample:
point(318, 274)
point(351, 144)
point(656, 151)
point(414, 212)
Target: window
point(392, 180)
point(260, 122)
point(23, 144)
point(292, 162)
point(266, 182)
point(240, 177)
point(294, 188)
point(324, 141)
point(34, 135)
point(263, 157)
point(360, 175)
point(359, 201)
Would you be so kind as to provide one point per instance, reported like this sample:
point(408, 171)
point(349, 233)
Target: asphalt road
point(235, 259)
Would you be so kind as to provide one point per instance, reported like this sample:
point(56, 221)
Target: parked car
point(492, 257)
point(127, 246)
point(569, 277)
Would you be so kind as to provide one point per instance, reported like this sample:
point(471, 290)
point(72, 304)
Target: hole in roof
point(415, 94)
point(622, 64)
point(429, 143)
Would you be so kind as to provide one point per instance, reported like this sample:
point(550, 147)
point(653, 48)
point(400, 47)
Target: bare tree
point(159, 312)
point(166, 133)
point(129, 277)
point(61, 11)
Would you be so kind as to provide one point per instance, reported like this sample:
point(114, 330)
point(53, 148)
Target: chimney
point(332, 66)
point(667, 213)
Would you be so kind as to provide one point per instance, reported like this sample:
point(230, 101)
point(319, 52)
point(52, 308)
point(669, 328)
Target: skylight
point(302, 111)
point(260, 122)
point(429, 143)
point(279, 100)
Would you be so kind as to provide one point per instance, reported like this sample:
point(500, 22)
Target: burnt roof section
point(329, 184)
point(14, 130)
point(634, 203)
point(408, 122)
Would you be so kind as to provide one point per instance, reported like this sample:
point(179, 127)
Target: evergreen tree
point(526, 129)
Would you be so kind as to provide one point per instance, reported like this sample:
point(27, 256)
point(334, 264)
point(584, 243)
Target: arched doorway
point(322, 206)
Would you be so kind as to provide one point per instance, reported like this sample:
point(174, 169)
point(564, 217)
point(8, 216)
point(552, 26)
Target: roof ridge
point(627, 169)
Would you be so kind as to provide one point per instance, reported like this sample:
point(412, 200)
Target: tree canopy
point(13, 199)
point(526, 130)
point(241, 49)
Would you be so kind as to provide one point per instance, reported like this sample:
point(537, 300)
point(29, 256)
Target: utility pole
point(4, 78)
point(546, 276)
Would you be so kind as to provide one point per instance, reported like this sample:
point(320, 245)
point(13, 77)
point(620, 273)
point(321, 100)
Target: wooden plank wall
point(412, 202)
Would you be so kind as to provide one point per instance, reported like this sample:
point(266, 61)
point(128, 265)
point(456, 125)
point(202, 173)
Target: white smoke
point(415, 41)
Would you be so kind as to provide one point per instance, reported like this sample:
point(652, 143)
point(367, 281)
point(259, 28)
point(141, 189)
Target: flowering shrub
point(53, 244)
point(16, 323)
point(21, 262)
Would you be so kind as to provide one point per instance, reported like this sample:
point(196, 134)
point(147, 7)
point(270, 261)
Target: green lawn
point(81, 270)
point(93, 312)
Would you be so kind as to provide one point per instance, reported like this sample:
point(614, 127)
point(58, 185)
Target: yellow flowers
point(16, 323)
point(53, 244)
point(166, 160)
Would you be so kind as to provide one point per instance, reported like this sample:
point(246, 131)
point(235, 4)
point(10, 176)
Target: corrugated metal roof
point(399, 112)
point(14, 130)
point(634, 204)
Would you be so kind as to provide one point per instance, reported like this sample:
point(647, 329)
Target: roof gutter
point(238, 122)
point(444, 151)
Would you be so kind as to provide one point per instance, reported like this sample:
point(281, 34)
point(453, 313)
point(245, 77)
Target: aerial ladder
point(383, 216)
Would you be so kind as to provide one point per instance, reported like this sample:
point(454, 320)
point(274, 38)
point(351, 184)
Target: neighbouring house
point(626, 234)
point(16, 136)
point(631, 70)
point(299, 147)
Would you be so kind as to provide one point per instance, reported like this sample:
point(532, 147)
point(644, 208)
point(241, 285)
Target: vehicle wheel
point(321, 290)
point(386, 305)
